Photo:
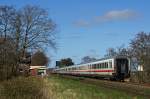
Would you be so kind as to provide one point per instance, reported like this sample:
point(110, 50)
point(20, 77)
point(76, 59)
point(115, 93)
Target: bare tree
point(119, 51)
point(37, 28)
point(140, 47)
point(7, 14)
point(27, 28)
point(111, 52)
point(7, 49)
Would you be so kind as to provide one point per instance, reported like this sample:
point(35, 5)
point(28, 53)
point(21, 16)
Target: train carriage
point(117, 68)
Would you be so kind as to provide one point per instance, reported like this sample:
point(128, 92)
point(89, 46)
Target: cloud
point(117, 15)
point(82, 23)
point(113, 15)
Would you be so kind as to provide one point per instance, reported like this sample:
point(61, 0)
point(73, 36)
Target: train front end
point(122, 68)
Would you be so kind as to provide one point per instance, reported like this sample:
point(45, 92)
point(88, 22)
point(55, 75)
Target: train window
point(103, 65)
point(100, 65)
point(75, 68)
point(110, 64)
point(91, 66)
point(94, 66)
point(106, 65)
point(97, 65)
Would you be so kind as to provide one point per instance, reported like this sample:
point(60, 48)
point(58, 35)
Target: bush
point(24, 88)
point(140, 77)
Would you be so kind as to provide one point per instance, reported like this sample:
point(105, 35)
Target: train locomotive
point(114, 68)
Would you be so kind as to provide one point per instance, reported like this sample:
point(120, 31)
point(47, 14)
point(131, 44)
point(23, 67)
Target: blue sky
point(89, 27)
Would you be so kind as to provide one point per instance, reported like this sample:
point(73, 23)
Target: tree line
point(22, 32)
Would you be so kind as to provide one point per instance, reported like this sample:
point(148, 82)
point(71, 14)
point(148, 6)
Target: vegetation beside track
point(130, 88)
point(57, 87)
point(25, 88)
point(64, 88)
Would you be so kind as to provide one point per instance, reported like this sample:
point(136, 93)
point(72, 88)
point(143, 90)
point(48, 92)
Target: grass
point(74, 89)
point(55, 87)
point(24, 88)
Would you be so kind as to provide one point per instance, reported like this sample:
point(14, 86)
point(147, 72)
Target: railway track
point(124, 86)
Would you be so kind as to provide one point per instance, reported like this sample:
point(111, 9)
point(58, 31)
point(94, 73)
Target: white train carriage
point(114, 68)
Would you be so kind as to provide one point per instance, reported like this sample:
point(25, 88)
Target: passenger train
point(114, 68)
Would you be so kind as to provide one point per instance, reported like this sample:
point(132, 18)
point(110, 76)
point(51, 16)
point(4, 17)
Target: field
point(55, 87)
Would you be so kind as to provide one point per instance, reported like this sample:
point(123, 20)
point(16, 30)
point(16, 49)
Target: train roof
point(106, 58)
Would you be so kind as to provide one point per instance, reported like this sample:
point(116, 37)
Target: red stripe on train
point(95, 71)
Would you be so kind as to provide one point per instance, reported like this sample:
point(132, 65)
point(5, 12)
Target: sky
point(90, 27)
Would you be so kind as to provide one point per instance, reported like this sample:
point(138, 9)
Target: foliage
point(39, 59)
point(87, 59)
point(66, 62)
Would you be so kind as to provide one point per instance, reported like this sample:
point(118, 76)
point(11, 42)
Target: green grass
point(63, 88)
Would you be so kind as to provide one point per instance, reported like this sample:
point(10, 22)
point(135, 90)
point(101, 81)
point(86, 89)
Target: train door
point(122, 68)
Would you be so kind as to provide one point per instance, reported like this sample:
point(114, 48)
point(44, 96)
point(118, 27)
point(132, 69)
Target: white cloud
point(81, 23)
point(113, 15)
point(117, 15)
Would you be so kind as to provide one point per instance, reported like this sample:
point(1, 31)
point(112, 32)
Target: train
point(113, 68)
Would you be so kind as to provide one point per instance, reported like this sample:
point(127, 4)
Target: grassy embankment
point(57, 88)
